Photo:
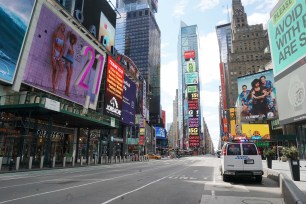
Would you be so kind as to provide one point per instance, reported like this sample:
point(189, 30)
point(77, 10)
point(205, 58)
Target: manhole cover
point(256, 201)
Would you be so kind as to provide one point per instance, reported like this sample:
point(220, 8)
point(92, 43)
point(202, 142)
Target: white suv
point(241, 159)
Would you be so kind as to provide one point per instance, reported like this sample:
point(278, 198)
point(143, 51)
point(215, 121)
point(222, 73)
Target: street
point(184, 180)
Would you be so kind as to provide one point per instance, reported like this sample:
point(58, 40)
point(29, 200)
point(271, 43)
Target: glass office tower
point(138, 37)
point(188, 43)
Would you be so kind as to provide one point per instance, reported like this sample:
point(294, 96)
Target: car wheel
point(258, 179)
point(225, 178)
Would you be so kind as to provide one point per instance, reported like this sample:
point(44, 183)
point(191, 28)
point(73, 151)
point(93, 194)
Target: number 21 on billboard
point(87, 50)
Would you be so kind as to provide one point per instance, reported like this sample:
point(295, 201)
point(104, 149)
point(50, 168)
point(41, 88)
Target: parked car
point(241, 159)
point(153, 156)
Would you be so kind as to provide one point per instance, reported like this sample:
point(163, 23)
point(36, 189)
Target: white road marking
point(137, 189)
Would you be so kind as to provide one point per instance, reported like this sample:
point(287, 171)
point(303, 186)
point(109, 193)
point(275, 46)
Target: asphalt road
point(179, 181)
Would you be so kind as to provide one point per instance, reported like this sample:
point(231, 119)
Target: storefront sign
point(52, 105)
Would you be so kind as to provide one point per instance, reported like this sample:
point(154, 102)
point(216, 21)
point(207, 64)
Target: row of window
point(135, 14)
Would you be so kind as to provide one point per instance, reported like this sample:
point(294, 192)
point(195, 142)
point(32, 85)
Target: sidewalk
point(283, 168)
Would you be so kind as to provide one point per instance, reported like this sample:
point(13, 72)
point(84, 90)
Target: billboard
point(223, 89)
point(189, 54)
point(114, 88)
point(292, 103)
point(192, 89)
point(194, 141)
point(256, 131)
point(61, 62)
point(233, 121)
point(96, 16)
point(160, 133)
point(193, 122)
point(287, 34)
point(128, 101)
point(193, 113)
point(193, 96)
point(193, 105)
point(15, 17)
point(257, 96)
point(194, 131)
point(191, 66)
point(164, 117)
point(191, 78)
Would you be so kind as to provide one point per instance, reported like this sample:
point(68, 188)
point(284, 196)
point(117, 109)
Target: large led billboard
point(128, 102)
point(61, 62)
point(15, 17)
point(97, 17)
point(114, 88)
point(287, 34)
point(191, 78)
point(191, 66)
point(256, 131)
point(160, 133)
point(257, 96)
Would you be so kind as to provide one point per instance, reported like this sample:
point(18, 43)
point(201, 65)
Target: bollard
point(73, 162)
point(64, 162)
point(1, 158)
point(30, 162)
point(53, 162)
point(81, 161)
point(17, 163)
point(42, 162)
point(88, 162)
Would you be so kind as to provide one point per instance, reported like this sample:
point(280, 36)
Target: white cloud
point(180, 8)
point(248, 2)
point(169, 84)
point(209, 99)
point(209, 58)
point(207, 4)
point(258, 18)
point(222, 22)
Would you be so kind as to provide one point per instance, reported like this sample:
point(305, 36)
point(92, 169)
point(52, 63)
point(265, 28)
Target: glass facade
point(138, 37)
point(187, 40)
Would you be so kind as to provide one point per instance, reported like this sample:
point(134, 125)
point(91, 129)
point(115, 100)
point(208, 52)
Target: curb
point(292, 194)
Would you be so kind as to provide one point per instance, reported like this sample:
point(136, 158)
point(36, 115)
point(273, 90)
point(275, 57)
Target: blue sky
point(206, 14)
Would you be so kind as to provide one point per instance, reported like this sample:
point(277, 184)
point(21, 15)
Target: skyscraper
point(138, 37)
point(247, 55)
point(189, 112)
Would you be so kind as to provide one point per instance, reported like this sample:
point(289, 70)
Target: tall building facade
point(247, 55)
point(138, 37)
point(189, 111)
point(224, 35)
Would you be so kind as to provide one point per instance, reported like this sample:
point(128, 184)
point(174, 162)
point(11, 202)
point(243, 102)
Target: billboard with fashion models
point(61, 62)
point(15, 17)
point(257, 96)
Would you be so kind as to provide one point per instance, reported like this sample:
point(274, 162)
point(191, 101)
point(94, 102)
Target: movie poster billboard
point(61, 62)
point(191, 78)
point(128, 101)
point(97, 17)
point(256, 131)
point(257, 96)
point(114, 89)
point(15, 17)
point(233, 121)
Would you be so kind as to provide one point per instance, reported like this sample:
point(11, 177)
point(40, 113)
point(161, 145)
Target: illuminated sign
point(193, 122)
point(256, 131)
point(193, 113)
point(193, 96)
point(15, 18)
point(194, 131)
point(61, 62)
point(193, 105)
point(194, 141)
point(128, 102)
point(191, 78)
point(192, 89)
point(191, 66)
point(114, 88)
point(189, 54)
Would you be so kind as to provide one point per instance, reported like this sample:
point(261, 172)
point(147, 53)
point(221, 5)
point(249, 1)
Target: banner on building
point(191, 78)
point(233, 121)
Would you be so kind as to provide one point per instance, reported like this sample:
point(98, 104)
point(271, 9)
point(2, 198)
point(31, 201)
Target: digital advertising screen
point(160, 133)
point(106, 33)
point(189, 55)
point(15, 17)
point(192, 89)
point(191, 66)
point(256, 131)
point(191, 78)
point(257, 96)
point(128, 102)
point(194, 141)
point(114, 88)
point(61, 62)
point(193, 122)
point(193, 96)
point(193, 105)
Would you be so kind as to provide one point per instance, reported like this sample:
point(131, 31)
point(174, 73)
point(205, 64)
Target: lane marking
point(137, 189)
point(77, 186)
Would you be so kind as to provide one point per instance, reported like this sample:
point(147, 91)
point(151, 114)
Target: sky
point(206, 14)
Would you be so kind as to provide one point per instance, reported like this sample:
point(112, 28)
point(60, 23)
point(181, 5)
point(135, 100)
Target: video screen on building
point(114, 88)
point(257, 96)
point(160, 133)
point(128, 103)
point(191, 78)
point(61, 62)
point(15, 17)
point(256, 131)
